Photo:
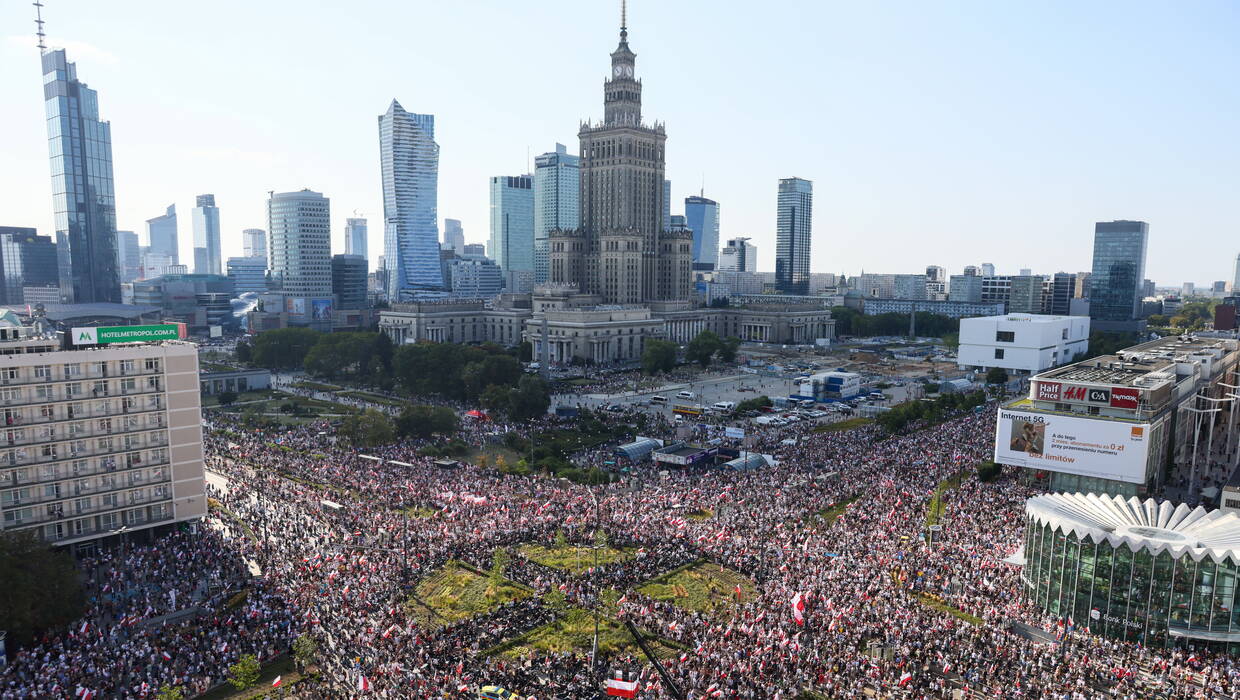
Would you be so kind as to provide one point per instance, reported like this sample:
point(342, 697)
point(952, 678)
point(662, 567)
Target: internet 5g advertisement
point(1099, 448)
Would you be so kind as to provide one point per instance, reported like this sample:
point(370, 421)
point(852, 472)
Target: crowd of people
point(833, 539)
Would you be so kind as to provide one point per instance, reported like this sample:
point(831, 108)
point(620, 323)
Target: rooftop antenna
point(38, 22)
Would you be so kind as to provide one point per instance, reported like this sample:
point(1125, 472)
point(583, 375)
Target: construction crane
point(641, 643)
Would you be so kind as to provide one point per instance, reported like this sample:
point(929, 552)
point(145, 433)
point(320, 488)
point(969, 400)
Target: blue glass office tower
point(1118, 273)
point(702, 216)
point(557, 178)
point(409, 161)
point(793, 226)
point(512, 224)
point(83, 200)
point(206, 218)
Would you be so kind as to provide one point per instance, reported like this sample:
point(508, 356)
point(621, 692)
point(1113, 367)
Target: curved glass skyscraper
point(409, 161)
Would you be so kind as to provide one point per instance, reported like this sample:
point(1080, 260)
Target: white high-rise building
point(254, 242)
point(512, 228)
point(355, 233)
point(409, 165)
point(301, 240)
point(206, 218)
point(1235, 276)
point(739, 256)
point(557, 176)
point(453, 236)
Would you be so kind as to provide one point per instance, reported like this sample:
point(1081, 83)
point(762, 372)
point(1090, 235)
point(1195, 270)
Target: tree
point(499, 566)
point(227, 398)
point(561, 542)
point(658, 356)
point(529, 400)
point(600, 538)
point(284, 348)
point(305, 650)
point(245, 352)
point(368, 429)
point(244, 673)
point(41, 587)
point(525, 351)
point(420, 422)
point(703, 348)
point(170, 692)
point(996, 375)
point(753, 404)
point(727, 349)
point(495, 398)
point(951, 341)
point(337, 354)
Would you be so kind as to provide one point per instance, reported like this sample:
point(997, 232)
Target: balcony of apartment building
point(74, 497)
point(73, 465)
point(75, 372)
point(109, 522)
point(72, 392)
point(79, 426)
point(59, 436)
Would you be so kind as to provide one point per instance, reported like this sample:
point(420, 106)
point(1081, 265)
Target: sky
point(935, 133)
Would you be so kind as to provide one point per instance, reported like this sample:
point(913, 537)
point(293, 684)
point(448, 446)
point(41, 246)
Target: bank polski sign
point(103, 335)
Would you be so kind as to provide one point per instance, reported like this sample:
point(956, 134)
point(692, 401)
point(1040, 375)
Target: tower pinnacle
point(624, 22)
point(38, 22)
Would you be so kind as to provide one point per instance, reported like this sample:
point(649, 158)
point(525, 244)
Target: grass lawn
point(259, 395)
point(490, 451)
point(846, 424)
point(574, 559)
point(281, 666)
point(456, 592)
point(701, 587)
point(705, 514)
point(934, 511)
point(942, 606)
point(575, 632)
point(315, 406)
point(418, 512)
point(829, 515)
point(316, 386)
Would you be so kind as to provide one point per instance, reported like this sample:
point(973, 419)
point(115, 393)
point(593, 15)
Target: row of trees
point(706, 347)
point(849, 321)
point(372, 428)
point(930, 410)
point(1192, 316)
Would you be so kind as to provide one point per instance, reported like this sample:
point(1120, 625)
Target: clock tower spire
point(622, 93)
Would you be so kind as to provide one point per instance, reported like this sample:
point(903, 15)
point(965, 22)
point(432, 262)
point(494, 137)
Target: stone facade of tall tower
point(622, 251)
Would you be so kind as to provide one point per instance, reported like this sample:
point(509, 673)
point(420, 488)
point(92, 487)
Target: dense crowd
point(345, 576)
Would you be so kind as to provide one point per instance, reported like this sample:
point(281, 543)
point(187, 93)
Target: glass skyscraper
point(206, 218)
point(254, 242)
point(27, 260)
point(1119, 269)
point(355, 234)
point(161, 235)
point(409, 162)
point(300, 227)
point(512, 229)
point(83, 200)
point(557, 177)
point(793, 225)
point(702, 215)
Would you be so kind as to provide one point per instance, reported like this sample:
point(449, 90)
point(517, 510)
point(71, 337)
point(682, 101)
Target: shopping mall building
point(1144, 571)
point(1116, 424)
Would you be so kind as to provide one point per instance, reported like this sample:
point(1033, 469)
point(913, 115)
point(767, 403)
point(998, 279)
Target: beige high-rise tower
point(621, 251)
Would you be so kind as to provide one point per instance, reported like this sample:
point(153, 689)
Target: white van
point(724, 406)
point(658, 399)
point(685, 395)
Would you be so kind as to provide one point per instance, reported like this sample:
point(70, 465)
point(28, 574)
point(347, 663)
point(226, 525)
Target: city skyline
point(1035, 143)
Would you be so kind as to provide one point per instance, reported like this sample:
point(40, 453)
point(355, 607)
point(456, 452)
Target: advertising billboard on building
point(102, 335)
point(1105, 449)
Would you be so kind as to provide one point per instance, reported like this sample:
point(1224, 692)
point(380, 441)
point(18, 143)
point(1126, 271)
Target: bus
point(686, 410)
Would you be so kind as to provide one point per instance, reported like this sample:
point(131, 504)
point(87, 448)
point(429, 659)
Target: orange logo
point(1138, 432)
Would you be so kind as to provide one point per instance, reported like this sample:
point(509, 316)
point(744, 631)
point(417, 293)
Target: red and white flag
point(363, 684)
point(166, 655)
point(622, 684)
point(84, 628)
point(905, 679)
point(276, 682)
point(798, 608)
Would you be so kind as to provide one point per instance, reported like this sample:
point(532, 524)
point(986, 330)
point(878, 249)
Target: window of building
point(152, 364)
point(1005, 336)
point(1065, 333)
point(998, 353)
point(1232, 503)
point(127, 365)
point(43, 372)
point(74, 370)
point(8, 373)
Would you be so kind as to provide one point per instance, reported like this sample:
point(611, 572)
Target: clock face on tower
point(623, 71)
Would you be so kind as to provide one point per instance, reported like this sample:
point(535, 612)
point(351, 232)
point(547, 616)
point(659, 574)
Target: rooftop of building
point(1134, 366)
point(1030, 318)
point(68, 312)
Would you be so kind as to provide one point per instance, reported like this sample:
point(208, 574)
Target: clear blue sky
point(947, 133)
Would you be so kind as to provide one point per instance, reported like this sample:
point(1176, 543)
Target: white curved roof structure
point(1149, 524)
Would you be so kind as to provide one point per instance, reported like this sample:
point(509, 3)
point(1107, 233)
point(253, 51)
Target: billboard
point(322, 309)
point(1115, 396)
point(124, 334)
point(1089, 447)
point(295, 306)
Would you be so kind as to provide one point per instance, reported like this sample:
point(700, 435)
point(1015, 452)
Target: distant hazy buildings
point(512, 228)
point(83, 201)
point(248, 274)
point(349, 281)
point(1025, 294)
point(128, 256)
point(738, 256)
point(702, 215)
point(355, 235)
point(409, 164)
point(1118, 271)
point(794, 224)
point(161, 236)
point(454, 236)
point(254, 242)
point(28, 266)
point(475, 249)
point(557, 178)
point(206, 220)
point(474, 277)
point(300, 227)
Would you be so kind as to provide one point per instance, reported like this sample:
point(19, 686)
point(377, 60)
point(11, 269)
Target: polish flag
point(798, 608)
point(363, 684)
point(276, 682)
point(714, 691)
point(84, 628)
point(622, 684)
point(739, 593)
point(166, 655)
point(905, 679)
point(390, 631)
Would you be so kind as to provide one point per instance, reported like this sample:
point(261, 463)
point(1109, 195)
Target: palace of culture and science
point(620, 277)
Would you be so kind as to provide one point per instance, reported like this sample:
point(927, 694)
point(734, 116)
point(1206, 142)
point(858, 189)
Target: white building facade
point(1021, 343)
